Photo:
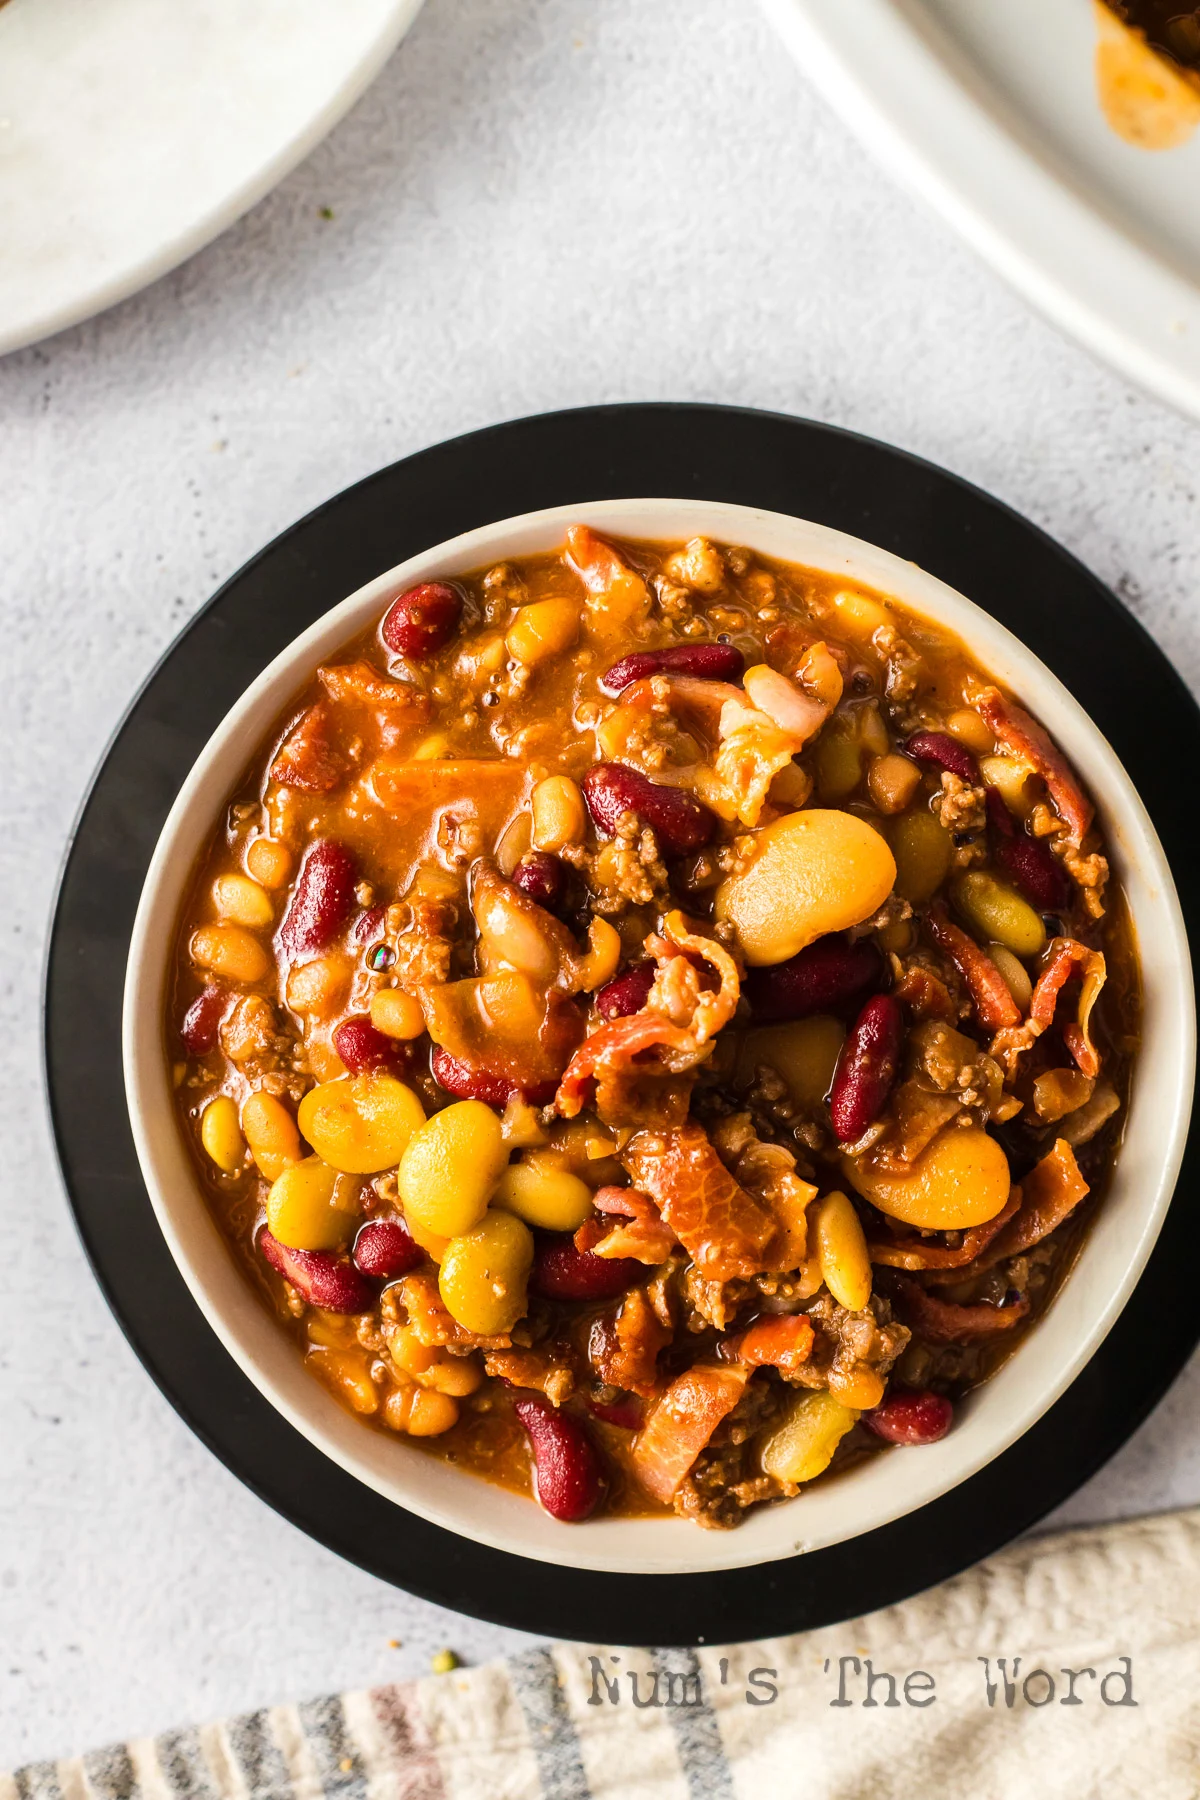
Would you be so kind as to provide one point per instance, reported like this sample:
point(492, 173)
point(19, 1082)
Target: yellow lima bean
point(558, 814)
point(803, 1053)
point(303, 1210)
point(923, 851)
point(362, 1123)
point(231, 951)
point(450, 1168)
point(221, 1134)
point(421, 1412)
point(603, 955)
point(433, 1368)
point(967, 726)
point(397, 1014)
point(839, 764)
point(543, 629)
point(842, 1249)
point(271, 1133)
point(346, 1372)
point(242, 901)
point(860, 1388)
point(318, 989)
point(860, 614)
point(1013, 780)
point(962, 1179)
point(544, 1194)
point(802, 1447)
point(994, 910)
point(811, 872)
point(485, 1272)
point(1016, 976)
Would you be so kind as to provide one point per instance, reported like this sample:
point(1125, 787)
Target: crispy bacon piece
point(1049, 1194)
point(993, 1003)
point(1012, 726)
point(682, 1422)
point(679, 1020)
point(639, 1232)
point(925, 994)
point(360, 684)
point(537, 1369)
point(943, 1322)
point(432, 1323)
point(1065, 957)
point(623, 1347)
point(616, 594)
point(919, 1253)
point(783, 1342)
point(725, 1230)
point(307, 758)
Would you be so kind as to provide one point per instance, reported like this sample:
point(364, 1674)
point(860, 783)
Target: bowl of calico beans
point(659, 1035)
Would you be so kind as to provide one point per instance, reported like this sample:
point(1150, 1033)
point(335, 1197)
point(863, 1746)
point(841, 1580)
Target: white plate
point(990, 109)
point(132, 132)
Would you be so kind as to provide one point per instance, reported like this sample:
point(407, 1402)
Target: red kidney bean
point(626, 993)
point(467, 1083)
point(629, 1413)
point(363, 1046)
point(202, 1019)
point(910, 1416)
point(384, 1249)
point(422, 619)
point(567, 1477)
point(819, 979)
point(999, 817)
point(678, 819)
point(712, 662)
point(1036, 871)
point(322, 900)
point(945, 752)
point(866, 1067)
point(561, 1272)
point(541, 876)
point(319, 1277)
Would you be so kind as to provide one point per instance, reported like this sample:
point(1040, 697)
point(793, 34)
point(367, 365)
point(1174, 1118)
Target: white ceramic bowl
point(887, 1486)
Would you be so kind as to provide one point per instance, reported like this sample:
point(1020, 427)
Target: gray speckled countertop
point(541, 203)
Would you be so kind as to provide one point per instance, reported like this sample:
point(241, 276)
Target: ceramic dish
point(992, 113)
point(132, 133)
point(886, 1488)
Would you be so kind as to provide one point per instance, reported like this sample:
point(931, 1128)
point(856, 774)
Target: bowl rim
point(997, 1413)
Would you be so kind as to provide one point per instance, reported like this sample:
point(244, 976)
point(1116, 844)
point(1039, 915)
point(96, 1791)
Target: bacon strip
point(617, 595)
point(916, 1253)
point(638, 1232)
point(1012, 726)
point(1064, 958)
point(623, 1349)
point(784, 1342)
point(724, 1229)
point(993, 1003)
point(942, 1322)
point(682, 1423)
point(308, 758)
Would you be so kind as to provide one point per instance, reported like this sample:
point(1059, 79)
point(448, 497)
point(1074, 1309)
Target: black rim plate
point(787, 465)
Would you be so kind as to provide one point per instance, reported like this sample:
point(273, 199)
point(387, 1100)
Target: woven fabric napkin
point(1066, 1666)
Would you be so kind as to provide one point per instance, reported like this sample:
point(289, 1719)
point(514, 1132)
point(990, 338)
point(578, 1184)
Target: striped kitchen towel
point(1066, 1666)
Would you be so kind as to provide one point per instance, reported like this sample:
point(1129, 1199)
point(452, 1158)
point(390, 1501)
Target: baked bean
point(995, 911)
point(543, 629)
point(627, 993)
point(858, 1387)
point(802, 1447)
point(923, 852)
point(711, 662)
point(319, 989)
point(269, 861)
point(1036, 871)
point(396, 1014)
point(230, 952)
point(561, 1272)
point(385, 1249)
point(962, 1179)
point(911, 1416)
point(812, 873)
point(202, 1020)
point(804, 1052)
point(558, 815)
point(450, 1168)
point(242, 901)
point(221, 1134)
point(544, 1194)
point(302, 1209)
point(944, 752)
point(484, 1273)
point(271, 1133)
point(892, 782)
point(324, 1280)
point(420, 1412)
point(322, 900)
point(362, 1046)
point(1016, 976)
point(541, 877)
point(347, 1373)
point(842, 1249)
point(867, 1068)
point(967, 726)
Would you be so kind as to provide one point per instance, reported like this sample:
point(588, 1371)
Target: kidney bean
point(467, 1083)
point(202, 1019)
point(422, 619)
point(678, 819)
point(567, 1480)
point(321, 1278)
point(712, 662)
point(910, 1416)
point(1036, 871)
point(628, 1412)
point(384, 1249)
point(363, 1046)
point(819, 979)
point(866, 1068)
point(561, 1272)
point(945, 752)
point(541, 876)
point(626, 993)
point(322, 900)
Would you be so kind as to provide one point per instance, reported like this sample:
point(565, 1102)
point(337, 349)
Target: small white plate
point(990, 109)
point(132, 132)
